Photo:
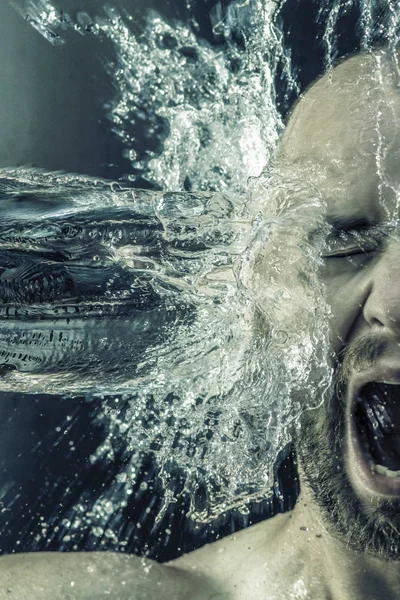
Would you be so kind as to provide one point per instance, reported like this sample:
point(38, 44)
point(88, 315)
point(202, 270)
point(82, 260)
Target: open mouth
point(377, 423)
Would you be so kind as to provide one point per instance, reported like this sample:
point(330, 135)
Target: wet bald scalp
point(346, 103)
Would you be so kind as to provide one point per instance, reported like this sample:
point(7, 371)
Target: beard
point(320, 447)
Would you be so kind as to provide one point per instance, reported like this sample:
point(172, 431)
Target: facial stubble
point(320, 447)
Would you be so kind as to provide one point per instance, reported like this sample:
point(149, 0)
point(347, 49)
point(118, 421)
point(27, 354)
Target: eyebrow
point(340, 224)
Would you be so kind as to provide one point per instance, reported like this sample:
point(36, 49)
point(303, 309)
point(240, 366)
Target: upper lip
point(381, 371)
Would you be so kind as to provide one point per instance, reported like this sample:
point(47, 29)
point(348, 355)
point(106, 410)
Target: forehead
point(344, 137)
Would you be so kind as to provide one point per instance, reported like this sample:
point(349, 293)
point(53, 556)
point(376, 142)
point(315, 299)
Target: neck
point(327, 566)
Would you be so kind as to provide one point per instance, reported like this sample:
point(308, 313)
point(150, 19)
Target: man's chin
point(350, 499)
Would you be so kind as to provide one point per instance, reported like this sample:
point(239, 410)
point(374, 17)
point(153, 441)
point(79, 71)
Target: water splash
point(375, 21)
point(200, 91)
point(53, 23)
point(158, 303)
point(185, 95)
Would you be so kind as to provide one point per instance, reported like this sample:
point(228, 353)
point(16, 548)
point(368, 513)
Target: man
point(342, 540)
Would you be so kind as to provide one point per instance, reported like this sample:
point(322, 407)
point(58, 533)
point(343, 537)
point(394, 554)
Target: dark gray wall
point(51, 99)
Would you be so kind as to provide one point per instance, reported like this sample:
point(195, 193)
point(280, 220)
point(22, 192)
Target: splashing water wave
point(207, 115)
point(155, 299)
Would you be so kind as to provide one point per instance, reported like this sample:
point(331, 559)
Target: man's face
point(345, 135)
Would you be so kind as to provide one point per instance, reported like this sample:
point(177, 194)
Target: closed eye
point(353, 251)
point(352, 243)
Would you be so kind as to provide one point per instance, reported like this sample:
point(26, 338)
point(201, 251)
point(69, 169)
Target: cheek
point(346, 286)
point(345, 299)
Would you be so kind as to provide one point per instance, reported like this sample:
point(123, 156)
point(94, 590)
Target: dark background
point(52, 98)
point(52, 117)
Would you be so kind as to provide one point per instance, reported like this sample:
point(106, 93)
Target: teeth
point(390, 473)
point(381, 470)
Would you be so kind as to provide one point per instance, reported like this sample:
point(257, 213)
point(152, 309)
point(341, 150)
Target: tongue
point(380, 420)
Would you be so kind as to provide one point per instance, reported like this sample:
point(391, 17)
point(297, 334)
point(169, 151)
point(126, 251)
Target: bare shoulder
point(94, 575)
point(213, 556)
point(249, 557)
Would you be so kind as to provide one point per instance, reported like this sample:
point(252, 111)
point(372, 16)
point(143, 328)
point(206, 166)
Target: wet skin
point(346, 136)
point(343, 137)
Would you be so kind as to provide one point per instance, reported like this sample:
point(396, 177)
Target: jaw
point(359, 508)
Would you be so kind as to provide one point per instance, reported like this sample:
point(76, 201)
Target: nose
point(382, 306)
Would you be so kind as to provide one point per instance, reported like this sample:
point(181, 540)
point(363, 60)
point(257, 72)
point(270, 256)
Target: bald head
point(347, 111)
point(343, 135)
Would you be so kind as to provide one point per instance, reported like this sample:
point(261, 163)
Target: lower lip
point(365, 481)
